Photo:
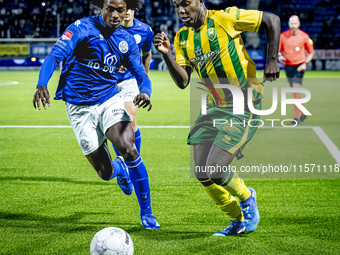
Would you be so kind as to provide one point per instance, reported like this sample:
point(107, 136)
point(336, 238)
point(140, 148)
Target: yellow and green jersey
point(217, 52)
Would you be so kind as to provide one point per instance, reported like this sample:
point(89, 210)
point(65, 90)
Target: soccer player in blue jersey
point(93, 49)
point(128, 87)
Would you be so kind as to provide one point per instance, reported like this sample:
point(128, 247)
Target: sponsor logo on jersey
point(202, 58)
point(138, 38)
point(67, 35)
point(110, 62)
point(123, 47)
point(101, 37)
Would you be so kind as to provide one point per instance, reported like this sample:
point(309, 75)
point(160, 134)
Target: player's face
point(189, 11)
point(294, 24)
point(129, 15)
point(113, 13)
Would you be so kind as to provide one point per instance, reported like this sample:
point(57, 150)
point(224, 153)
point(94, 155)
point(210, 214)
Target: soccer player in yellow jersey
point(210, 42)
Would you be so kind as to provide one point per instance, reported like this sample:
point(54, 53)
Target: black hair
point(130, 4)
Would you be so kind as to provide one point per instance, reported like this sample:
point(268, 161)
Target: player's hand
point(282, 58)
point(142, 100)
point(41, 94)
point(271, 71)
point(162, 43)
point(302, 67)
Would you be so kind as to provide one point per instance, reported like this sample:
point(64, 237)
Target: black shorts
point(293, 75)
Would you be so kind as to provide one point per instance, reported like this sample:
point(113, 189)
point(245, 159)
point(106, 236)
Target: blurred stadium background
point(28, 29)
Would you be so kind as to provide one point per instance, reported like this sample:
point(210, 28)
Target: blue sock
point(117, 167)
point(140, 179)
point(138, 140)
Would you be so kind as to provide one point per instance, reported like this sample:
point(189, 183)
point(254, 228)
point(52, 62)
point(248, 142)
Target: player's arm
point(303, 66)
point(309, 57)
point(180, 74)
point(133, 62)
point(50, 64)
point(271, 26)
point(310, 49)
point(63, 48)
point(240, 20)
point(146, 59)
point(281, 57)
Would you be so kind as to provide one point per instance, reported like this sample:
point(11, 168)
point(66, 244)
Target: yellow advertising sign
point(14, 49)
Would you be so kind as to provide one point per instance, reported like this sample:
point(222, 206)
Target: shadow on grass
point(44, 223)
point(51, 179)
point(164, 234)
point(71, 223)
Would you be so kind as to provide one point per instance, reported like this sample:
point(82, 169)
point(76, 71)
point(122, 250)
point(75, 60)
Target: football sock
point(140, 179)
point(138, 141)
point(225, 201)
point(235, 185)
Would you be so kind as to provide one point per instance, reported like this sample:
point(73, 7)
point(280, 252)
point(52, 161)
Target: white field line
point(19, 126)
point(332, 148)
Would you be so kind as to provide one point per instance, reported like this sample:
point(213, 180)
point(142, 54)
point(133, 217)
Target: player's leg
point(201, 137)
point(122, 137)
point(84, 120)
point(138, 175)
point(297, 83)
point(296, 96)
point(224, 200)
point(228, 143)
point(101, 161)
point(132, 111)
point(235, 186)
point(128, 91)
point(219, 158)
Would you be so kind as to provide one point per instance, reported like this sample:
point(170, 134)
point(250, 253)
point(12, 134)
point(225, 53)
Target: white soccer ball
point(111, 241)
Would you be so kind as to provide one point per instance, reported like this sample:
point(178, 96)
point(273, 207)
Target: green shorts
point(225, 130)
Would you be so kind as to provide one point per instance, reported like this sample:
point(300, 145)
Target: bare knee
point(129, 151)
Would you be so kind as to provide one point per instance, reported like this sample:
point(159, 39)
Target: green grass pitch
point(53, 202)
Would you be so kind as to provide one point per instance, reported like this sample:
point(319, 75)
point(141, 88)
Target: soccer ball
point(111, 241)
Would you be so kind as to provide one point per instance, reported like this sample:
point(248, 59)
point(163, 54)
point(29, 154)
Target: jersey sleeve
point(148, 42)
point(63, 48)
point(181, 57)
point(70, 39)
point(237, 20)
point(309, 45)
point(133, 61)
